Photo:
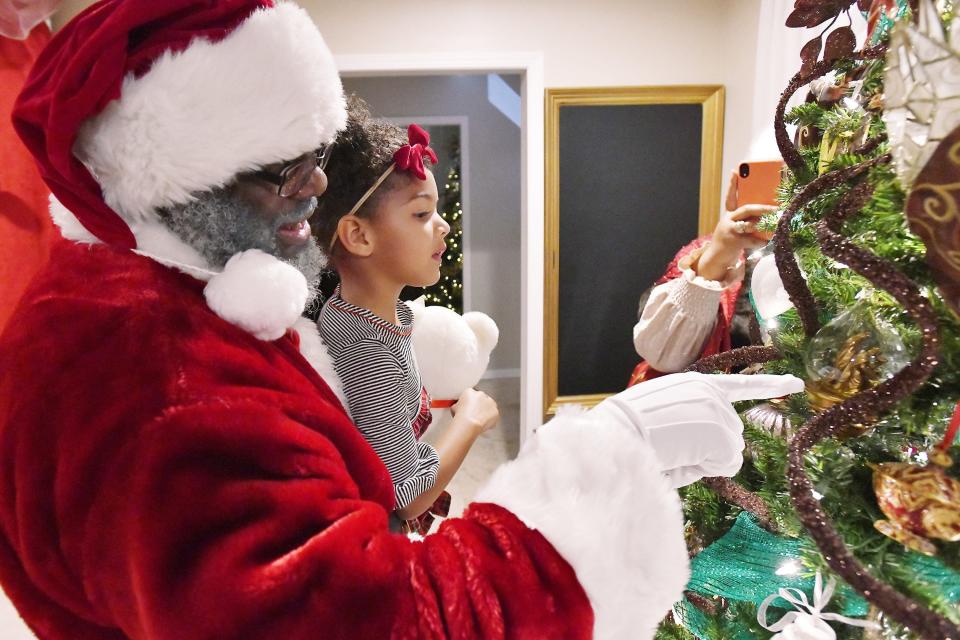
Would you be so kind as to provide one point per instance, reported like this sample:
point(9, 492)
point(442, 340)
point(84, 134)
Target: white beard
point(220, 224)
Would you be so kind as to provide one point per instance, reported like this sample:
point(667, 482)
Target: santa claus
point(173, 465)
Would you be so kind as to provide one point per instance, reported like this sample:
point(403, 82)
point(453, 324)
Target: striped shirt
point(375, 362)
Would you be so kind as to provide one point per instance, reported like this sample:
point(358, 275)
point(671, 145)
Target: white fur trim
point(315, 352)
point(267, 92)
point(595, 492)
point(154, 241)
point(259, 293)
point(255, 291)
point(70, 227)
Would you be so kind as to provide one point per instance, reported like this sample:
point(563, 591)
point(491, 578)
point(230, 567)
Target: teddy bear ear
point(484, 328)
point(416, 306)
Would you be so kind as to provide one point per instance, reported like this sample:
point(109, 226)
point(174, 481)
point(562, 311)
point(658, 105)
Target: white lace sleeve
point(679, 317)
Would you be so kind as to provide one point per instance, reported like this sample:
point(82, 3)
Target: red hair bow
point(409, 157)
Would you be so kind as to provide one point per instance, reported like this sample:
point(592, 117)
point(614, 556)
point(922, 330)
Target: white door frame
point(529, 65)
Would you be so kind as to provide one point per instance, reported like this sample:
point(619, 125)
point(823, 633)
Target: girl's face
point(409, 233)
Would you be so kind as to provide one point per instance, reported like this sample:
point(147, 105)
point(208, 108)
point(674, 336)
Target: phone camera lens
point(744, 170)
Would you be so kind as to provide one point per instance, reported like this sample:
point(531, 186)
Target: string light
point(788, 568)
point(448, 291)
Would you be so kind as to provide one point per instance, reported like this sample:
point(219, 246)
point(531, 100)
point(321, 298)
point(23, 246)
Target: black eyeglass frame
point(295, 175)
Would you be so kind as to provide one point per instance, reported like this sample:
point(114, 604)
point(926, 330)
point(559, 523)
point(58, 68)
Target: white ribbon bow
point(809, 615)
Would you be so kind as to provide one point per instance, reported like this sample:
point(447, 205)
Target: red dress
point(441, 506)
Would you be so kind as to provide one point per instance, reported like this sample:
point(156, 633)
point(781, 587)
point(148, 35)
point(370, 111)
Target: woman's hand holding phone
point(735, 232)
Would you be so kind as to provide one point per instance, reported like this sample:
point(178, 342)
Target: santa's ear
point(484, 328)
point(355, 236)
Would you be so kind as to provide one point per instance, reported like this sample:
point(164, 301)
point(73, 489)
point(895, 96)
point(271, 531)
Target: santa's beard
point(220, 223)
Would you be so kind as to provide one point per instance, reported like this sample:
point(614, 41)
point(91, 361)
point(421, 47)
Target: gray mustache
point(302, 212)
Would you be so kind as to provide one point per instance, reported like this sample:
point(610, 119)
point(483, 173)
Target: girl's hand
point(478, 410)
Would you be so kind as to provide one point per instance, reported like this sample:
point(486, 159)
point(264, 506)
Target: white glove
point(688, 421)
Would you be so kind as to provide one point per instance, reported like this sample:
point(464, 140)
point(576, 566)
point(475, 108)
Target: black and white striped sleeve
point(373, 382)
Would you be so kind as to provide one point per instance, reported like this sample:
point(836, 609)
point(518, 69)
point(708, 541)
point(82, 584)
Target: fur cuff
point(258, 293)
point(593, 490)
point(315, 352)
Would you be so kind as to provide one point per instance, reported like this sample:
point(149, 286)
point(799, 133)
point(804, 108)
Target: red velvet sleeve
point(230, 519)
point(166, 476)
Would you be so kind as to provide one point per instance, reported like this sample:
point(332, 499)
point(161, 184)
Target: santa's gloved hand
point(688, 420)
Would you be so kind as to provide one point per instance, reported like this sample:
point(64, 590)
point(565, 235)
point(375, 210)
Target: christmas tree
point(449, 289)
point(851, 482)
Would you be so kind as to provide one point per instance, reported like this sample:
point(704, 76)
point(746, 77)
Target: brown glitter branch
point(787, 149)
point(856, 410)
point(852, 202)
point(736, 494)
point(740, 357)
point(790, 274)
point(870, 144)
point(705, 604)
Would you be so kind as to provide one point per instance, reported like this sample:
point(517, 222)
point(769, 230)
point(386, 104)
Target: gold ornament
point(832, 145)
point(854, 370)
point(920, 502)
point(869, 352)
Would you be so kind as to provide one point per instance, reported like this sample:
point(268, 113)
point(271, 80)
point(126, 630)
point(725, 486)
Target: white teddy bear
point(452, 352)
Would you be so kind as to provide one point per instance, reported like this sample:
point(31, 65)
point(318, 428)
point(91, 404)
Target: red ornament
point(920, 502)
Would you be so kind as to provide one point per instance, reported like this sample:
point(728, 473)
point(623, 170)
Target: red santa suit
point(169, 475)
point(175, 467)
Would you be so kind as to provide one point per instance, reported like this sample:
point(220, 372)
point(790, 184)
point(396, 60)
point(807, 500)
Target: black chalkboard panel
point(629, 197)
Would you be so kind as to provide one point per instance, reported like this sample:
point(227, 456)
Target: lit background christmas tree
point(449, 289)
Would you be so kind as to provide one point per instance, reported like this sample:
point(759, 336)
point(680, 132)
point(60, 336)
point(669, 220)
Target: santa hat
point(137, 104)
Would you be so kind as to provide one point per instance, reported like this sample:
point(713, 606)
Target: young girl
point(378, 220)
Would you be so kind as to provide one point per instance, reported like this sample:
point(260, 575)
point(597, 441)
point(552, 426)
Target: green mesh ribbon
point(741, 566)
point(882, 31)
point(932, 571)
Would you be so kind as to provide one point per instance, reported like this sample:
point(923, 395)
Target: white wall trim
point(529, 65)
point(492, 374)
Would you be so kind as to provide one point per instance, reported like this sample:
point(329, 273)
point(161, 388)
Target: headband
point(408, 158)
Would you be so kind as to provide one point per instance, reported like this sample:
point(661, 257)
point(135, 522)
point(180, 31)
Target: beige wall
point(599, 43)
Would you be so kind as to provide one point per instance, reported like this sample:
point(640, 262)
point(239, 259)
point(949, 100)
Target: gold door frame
point(711, 99)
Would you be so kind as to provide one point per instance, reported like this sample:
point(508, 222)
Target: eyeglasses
point(295, 175)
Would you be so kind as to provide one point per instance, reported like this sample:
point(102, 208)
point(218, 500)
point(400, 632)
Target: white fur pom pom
point(259, 293)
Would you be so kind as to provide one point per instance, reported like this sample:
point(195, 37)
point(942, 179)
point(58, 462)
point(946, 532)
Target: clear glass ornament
point(854, 352)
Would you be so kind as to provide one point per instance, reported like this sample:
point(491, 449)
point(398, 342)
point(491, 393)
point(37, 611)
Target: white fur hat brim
point(267, 92)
